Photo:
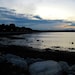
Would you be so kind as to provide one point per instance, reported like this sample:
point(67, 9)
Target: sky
point(39, 14)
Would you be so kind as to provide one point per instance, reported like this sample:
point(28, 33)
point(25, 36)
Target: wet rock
point(42, 41)
point(64, 66)
point(71, 70)
point(16, 60)
point(32, 60)
point(72, 42)
point(47, 49)
point(71, 48)
point(56, 47)
point(38, 40)
point(45, 68)
point(2, 59)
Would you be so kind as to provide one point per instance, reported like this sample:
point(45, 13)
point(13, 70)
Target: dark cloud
point(38, 17)
point(72, 24)
point(9, 14)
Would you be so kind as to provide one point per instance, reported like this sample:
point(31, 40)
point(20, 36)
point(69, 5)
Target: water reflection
point(54, 40)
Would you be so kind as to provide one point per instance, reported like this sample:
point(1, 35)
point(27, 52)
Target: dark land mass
point(12, 29)
point(54, 30)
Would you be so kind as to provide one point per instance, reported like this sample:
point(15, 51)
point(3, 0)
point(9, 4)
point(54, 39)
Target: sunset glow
point(52, 13)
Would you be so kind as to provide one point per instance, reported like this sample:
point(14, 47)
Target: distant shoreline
point(54, 30)
point(17, 33)
point(12, 33)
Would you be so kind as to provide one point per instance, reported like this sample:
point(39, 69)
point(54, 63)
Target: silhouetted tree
point(12, 25)
point(13, 28)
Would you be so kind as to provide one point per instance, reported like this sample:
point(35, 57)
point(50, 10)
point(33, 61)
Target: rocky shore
point(18, 60)
point(47, 54)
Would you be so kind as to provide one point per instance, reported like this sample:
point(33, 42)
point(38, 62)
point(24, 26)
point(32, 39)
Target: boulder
point(64, 66)
point(71, 70)
point(45, 68)
point(16, 60)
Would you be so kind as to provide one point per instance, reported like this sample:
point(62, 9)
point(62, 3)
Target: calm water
point(55, 40)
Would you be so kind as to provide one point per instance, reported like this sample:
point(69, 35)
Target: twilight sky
point(39, 14)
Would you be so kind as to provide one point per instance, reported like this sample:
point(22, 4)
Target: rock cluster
point(15, 65)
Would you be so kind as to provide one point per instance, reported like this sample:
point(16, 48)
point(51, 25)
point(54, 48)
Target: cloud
point(47, 9)
point(72, 24)
point(10, 16)
point(38, 17)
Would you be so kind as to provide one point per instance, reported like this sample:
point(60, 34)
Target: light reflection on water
point(55, 40)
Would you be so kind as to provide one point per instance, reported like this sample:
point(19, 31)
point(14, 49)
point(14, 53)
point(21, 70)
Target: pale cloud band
point(47, 9)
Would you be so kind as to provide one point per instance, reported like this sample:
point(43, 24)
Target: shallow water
point(54, 40)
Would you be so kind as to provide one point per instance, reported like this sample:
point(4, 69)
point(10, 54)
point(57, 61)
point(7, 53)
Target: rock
point(38, 40)
point(32, 60)
point(45, 68)
point(48, 49)
point(2, 59)
point(42, 41)
point(72, 42)
point(64, 66)
point(71, 70)
point(16, 60)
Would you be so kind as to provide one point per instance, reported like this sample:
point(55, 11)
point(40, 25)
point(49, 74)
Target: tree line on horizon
point(13, 28)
